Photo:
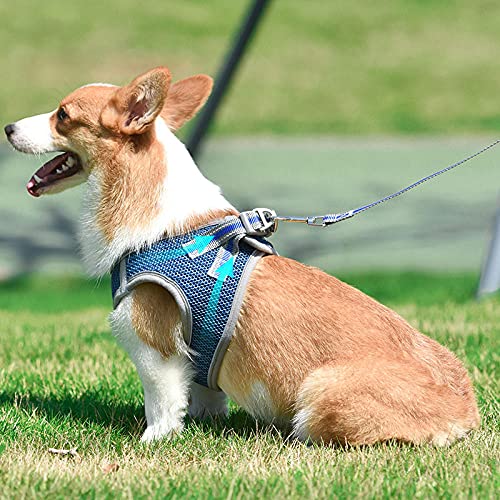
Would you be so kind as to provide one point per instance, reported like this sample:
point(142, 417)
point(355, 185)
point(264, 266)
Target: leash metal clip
point(267, 220)
point(317, 220)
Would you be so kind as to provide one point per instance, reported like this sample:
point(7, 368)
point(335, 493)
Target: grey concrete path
point(443, 225)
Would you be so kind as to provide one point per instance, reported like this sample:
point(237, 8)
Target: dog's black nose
point(9, 129)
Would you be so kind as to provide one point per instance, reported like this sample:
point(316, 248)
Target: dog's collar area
point(257, 223)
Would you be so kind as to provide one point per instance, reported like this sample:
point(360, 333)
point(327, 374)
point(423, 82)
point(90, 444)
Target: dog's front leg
point(205, 402)
point(165, 380)
point(166, 389)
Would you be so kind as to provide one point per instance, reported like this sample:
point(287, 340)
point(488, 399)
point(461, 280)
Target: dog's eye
point(61, 114)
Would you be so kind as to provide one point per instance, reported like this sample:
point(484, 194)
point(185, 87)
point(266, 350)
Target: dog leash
point(327, 220)
point(262, 222)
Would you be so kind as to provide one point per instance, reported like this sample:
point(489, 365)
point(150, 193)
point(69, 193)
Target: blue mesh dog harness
point(206, 271)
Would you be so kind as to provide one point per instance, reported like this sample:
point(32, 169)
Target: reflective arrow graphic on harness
point(196, 247)
point(224, 270)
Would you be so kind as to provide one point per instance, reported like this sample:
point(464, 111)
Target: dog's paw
point(206, 403)
point(161, 431)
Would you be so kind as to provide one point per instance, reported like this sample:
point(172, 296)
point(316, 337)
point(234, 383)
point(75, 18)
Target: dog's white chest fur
point(184, 193)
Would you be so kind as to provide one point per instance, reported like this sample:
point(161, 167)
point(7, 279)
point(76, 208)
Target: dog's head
point(98, 122)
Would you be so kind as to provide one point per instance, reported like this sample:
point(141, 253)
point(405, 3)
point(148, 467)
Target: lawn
point(65, 384)
point(392, 67)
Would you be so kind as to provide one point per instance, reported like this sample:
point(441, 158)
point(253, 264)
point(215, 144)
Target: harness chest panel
point(208, 287)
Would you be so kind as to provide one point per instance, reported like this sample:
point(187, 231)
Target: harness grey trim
point(213, 372)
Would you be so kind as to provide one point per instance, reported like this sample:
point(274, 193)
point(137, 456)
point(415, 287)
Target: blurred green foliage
point(399, 66)
point(53, 294)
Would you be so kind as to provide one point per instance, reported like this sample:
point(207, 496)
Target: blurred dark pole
point(225, 74)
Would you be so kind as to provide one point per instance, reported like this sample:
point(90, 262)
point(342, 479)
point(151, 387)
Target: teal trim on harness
point(208, 282)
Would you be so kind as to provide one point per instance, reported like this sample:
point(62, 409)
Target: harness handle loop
point(259, 221)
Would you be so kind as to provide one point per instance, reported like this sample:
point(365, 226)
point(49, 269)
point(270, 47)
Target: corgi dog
point(309, 353)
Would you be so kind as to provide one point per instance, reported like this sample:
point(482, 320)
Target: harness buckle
point(266, 220)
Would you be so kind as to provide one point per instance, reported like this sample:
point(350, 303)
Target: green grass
point(64, 383)
point(399, 66)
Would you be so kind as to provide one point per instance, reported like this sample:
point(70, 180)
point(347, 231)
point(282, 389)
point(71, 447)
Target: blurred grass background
point(393, 67)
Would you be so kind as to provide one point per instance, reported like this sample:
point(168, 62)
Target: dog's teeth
point(37, 179)
point(70, 161)
point(59, 171)
point(65, 167)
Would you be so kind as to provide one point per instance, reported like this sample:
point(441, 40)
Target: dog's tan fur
point(154, 311)
point(363, 373)
point(309, 348)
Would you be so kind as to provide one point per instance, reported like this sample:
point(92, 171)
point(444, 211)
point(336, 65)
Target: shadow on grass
point(90, 407)
point(238, 423)
point(126, 419)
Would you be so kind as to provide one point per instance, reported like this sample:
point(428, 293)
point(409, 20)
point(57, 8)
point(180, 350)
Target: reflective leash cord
point(326, 220)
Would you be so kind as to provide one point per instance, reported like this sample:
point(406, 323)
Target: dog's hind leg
point(376, 400)
point(205, 402)
point(166, 376)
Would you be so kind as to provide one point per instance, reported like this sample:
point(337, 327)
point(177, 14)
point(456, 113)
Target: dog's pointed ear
point(185, 98)
point(134, 108)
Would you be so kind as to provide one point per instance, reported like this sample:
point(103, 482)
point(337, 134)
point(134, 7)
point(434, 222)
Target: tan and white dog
point(309, 352)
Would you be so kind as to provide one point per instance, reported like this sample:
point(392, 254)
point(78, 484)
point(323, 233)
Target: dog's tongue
point(46, 174)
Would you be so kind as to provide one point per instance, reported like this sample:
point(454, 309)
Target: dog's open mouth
point(61, 167)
